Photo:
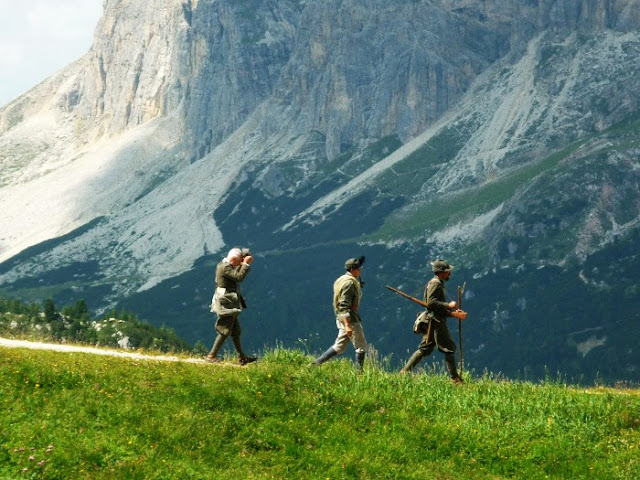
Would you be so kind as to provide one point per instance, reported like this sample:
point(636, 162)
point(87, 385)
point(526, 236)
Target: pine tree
point(50, 313)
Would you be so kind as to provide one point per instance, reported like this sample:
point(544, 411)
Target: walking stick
point(460, 292)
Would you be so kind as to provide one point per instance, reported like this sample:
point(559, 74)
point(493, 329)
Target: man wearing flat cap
point(347, 293)
point(437, 332)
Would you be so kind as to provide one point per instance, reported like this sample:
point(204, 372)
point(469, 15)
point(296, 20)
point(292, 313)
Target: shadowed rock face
point(503, 133)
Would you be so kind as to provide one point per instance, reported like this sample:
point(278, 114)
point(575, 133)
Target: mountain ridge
point(501, 137)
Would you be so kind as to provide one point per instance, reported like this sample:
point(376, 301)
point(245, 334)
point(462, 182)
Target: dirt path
point(8, 343)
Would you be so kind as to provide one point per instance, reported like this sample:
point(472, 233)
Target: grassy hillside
point(76, 416)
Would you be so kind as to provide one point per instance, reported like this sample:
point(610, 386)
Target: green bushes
point(73, 324)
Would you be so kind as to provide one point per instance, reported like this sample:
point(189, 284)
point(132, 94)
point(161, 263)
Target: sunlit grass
point(72, 415)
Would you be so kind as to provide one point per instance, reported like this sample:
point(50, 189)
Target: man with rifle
point(436, 332)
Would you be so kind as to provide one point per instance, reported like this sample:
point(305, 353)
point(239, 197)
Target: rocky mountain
point(503, 137)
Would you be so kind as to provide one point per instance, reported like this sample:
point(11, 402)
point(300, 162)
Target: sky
point(39, 37)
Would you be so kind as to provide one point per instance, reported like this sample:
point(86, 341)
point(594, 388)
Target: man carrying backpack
point(228, 302)
point(347, 293)
point(437, 332)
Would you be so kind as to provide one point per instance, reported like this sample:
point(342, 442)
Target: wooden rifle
point(406, 295)
point(459, 314)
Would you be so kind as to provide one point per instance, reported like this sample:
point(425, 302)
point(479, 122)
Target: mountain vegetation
point(77, 416)
point(73, 325)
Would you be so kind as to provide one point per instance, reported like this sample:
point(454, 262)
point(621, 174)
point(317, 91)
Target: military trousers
point(227, 326)
point(342, 340)
point(438, 335)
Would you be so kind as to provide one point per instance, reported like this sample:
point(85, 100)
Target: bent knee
point(340, 347)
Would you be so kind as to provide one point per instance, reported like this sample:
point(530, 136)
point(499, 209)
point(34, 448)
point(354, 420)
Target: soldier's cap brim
point(441, 267)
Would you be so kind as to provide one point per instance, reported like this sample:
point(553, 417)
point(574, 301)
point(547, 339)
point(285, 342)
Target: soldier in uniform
point(347, 293)
point(437, 332)
point(227, 302)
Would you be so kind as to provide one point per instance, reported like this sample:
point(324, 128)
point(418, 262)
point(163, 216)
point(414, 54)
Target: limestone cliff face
point(169, 83)
point(236, 52)
point(501, 132)
point(349, 70)
point(135, 67)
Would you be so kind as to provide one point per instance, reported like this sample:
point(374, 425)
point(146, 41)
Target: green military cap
point(440, 265)
point(354, 263)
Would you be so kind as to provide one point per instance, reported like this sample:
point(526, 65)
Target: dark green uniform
point(438, 335)
point(229, 297)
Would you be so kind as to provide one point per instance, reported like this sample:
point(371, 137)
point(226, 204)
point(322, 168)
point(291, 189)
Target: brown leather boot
point(244, 359)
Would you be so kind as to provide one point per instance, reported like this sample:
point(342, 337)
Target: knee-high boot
point(450, 358)
point(360, 360)
point(329, 354)
point(412, 362)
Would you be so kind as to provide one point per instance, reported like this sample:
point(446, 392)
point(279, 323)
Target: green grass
point(85, 416)
point(456, 207)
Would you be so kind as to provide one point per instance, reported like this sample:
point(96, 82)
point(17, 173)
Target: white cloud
point(38, 38)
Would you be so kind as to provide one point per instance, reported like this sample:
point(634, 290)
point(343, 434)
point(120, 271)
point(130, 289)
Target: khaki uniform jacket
point(228, 298)
point(436, 299)
point(347, 294)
